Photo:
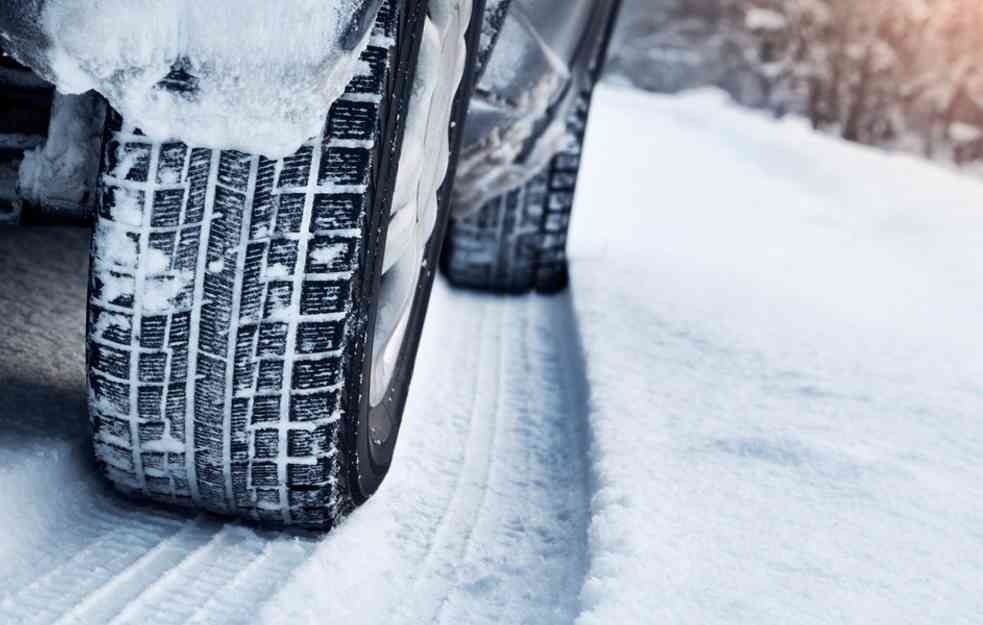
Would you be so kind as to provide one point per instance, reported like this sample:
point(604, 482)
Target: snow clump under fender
point(239, 74)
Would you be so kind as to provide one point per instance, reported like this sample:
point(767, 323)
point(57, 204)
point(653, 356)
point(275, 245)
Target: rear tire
point(516, 243)
point(232, 300)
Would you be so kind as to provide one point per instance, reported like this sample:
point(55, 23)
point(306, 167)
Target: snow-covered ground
point(785, 359)
point(759, 403)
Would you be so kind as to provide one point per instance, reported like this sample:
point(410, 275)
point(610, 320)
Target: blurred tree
point(905, 74)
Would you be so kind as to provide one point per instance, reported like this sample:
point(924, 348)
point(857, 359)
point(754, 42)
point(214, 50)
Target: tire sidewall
point(369, 467)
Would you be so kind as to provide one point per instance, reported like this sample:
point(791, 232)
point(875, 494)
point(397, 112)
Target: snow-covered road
point(760, 403)
point(485, 520)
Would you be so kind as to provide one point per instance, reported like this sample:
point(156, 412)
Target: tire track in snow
point(118, 587)
point(94, 564)
point(196, 576)
point(527, 556)
point(81, 530)
point(200, 571)
point(448, 542)
point(261, 578)
point(512, 544)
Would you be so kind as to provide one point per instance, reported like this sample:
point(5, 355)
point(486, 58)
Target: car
point(271, 191)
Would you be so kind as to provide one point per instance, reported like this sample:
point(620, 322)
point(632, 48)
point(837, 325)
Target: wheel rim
point(400, 281)
point(413, 218)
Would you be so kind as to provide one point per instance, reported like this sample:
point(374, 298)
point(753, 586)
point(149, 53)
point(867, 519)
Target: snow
point(764, 19)
point(759, 403)
point(964, 133)
point(783, 351)
point(265, 77)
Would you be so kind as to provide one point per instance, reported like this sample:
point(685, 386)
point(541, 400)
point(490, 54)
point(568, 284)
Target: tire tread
point(222, 309)
point(516, 242)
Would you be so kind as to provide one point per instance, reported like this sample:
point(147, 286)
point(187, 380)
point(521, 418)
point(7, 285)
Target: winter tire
point(516, 242)
point(233, 299)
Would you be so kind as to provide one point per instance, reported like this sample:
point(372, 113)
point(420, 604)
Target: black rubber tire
point(517, 242)
point(202, 393)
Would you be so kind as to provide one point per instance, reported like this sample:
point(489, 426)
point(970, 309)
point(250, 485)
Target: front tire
point(232, 304)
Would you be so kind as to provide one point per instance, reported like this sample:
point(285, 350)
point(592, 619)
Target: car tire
point(516, 242)
point(233, 298)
